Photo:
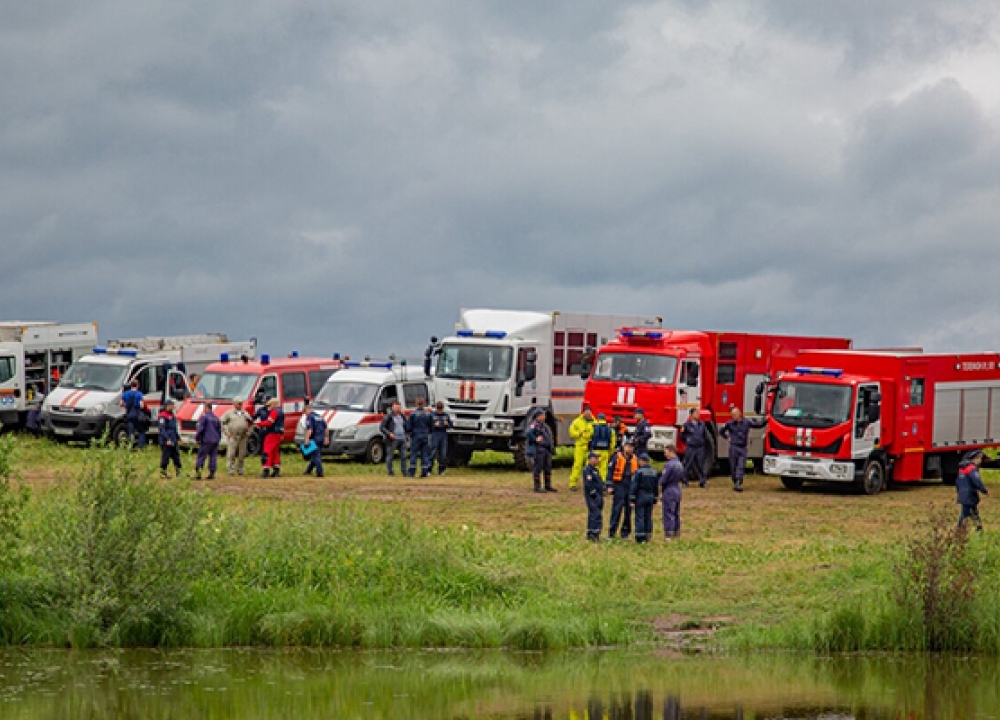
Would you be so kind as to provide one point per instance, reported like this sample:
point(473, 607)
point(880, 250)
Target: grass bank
point(101, 555)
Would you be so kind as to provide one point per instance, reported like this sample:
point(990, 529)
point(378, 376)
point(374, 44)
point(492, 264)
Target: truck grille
point(189, 425)
point(831, 449)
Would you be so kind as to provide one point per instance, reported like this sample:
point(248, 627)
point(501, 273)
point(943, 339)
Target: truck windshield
point(224, 386)
point(95, 376)
point(635, 368)
point(474, 362)
point(345, 395)
point(808, 404)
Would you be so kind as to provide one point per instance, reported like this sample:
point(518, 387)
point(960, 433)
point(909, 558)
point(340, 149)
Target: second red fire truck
point(867, 417)
point(669, 372)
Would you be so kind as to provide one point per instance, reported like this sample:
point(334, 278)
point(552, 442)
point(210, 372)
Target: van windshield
point(635, 368)
point(84, 375)
point(474, 362)
point(347, 395)
point(812, 404)
point(224, 386)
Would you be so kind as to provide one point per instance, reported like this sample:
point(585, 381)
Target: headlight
point(840, 469)
point(347, 433)
point(99, 409)
point(770, 463)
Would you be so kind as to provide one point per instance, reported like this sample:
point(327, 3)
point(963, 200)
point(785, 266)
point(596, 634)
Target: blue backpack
point(602, 437)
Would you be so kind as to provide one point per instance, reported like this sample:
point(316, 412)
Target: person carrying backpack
point(132, 401)
point(602, 442)
point(315, 433)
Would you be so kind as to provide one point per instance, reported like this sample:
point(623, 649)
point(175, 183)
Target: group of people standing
point(424, 432)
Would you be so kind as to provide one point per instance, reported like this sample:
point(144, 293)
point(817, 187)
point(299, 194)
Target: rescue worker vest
point(601, 439)
point(618, 471)
point(279, 424)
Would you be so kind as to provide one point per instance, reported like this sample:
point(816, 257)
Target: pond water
point(632, 685)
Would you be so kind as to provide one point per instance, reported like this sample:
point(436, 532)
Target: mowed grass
point(766, 564)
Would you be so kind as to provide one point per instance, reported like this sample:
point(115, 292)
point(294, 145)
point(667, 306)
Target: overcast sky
point(346, 175)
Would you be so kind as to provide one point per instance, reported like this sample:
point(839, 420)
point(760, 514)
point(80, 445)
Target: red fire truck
point(867, 417)
point(668, 372)
point(291, 380)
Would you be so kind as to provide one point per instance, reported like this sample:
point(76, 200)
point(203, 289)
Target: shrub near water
point(118, 551)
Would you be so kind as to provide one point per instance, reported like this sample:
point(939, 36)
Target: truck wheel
point(873, 479)
point(459, 457)
point(521, 460)
point(375, 451)
point(119, 434)
point(792, 483)
point(253, 444)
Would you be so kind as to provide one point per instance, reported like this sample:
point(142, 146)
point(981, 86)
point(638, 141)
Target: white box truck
point(87, 402)
point(33, 358)
point(501, 366)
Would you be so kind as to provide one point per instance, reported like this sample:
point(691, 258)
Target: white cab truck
point(354, 400)
point(501, 366)
point(33, 358)
point(87, 402)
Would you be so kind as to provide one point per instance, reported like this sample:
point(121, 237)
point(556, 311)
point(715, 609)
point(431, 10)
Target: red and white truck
point(669, 372)
point(867, 417)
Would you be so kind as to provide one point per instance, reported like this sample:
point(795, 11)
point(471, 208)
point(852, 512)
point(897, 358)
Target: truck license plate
point(803, 468)
point(467, 424)
point(62, 431)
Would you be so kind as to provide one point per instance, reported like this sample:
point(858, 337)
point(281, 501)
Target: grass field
point(508, 566)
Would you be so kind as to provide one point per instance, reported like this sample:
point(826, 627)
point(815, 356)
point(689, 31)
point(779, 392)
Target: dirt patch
point(683, 633)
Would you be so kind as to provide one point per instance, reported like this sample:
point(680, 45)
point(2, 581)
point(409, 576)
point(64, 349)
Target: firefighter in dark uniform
point(737, 432)
point(624, 465)
point(670, 492)
point(418, 427)
point(693, 433)
point(541, 439)
point(642, 433)
point(440, 425)
point(645, 485)
point(593, 492)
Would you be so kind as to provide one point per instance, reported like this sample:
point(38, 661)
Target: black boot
point(211, 476)
point(276, 471)
point(548, 484)
point(538, 484)
point(265, 472)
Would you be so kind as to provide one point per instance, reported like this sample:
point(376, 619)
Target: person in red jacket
point(272, 429)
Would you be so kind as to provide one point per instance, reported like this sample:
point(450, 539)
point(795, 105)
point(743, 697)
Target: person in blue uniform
point(670, 492)
point(540, 436)
point(132, 401)
point(624, 464)
point(316, 432)
point(418, 427)
point(208, 435)
point(645, 486)
point(440, 425)
point(593, 492)
point(642, 433)
point(693, 433)
point(737, 432)
point(969, 484)
point(169, 438)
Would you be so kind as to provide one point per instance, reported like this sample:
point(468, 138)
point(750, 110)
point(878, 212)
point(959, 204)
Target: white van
point(354, 401)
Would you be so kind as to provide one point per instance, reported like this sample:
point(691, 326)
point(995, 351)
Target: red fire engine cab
point(669, 372)
point(867, 417)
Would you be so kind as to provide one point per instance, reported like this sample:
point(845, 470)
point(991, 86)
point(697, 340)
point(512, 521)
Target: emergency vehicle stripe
point(461, 390)
point(472, 390)
point(69, 398)
point(621, 396)
point(328, 416)
point(631, 396)
point(76, 397)
point(567, 394)
point(198, 412)
point(370, 419)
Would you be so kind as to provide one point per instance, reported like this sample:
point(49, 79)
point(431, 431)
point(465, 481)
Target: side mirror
point(586, 363)
point(258, 399)
point(758, 403)
point(874, 413)
point(530, 369)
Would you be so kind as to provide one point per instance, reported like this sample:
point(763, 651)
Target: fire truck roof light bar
point(829, 372)
point(493, 334)
point(128, 352)
point(368, 364)
point(651, 334)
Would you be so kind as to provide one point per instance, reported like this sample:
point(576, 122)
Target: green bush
point(120, 551)
point(12, 501)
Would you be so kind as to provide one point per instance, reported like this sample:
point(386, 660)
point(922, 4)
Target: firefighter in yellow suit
point(581, 430)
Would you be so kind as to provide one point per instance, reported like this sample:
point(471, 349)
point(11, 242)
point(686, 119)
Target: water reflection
point(634, 685)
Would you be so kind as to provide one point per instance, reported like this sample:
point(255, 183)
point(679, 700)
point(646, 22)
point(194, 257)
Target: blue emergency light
point(651, 334)
point(829, 372)
point(336, 356)
point(224, 357)
point(369, 364)
point(100, 351)
point(127, 352)
point(492, 334)
point(295, 354)
point(265, 359)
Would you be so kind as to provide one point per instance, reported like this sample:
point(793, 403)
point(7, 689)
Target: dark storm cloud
point(346, 176)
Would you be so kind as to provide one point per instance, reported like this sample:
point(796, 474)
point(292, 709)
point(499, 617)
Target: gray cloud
point(336, 176)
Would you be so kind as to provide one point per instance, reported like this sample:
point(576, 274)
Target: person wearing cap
point(642, 433)
point(418, 427)
point(593, 492)
point(643, 498)
point(670, 491)
point(316, 432)
point(969, 484)
point(737, 432)
point(273, 429)
point(580, 430)
point(540, 435)
point(623, 466)
point(694, 433)
point(236, 424)
point(169, 438)
point(602, 441)
point(440, 425)
point(259, 416)
point(208, 435)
